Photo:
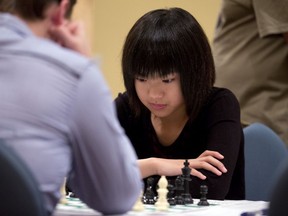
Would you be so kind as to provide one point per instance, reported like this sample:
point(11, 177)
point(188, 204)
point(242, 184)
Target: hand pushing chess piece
point(203, 200)
point(162, 203)
point(186, 178)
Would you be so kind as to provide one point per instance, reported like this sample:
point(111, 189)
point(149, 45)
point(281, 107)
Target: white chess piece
point(162, 203)
point(63, 199)
point(139, 206)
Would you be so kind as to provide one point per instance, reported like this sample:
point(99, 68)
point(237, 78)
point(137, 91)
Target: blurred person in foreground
point(56, 110)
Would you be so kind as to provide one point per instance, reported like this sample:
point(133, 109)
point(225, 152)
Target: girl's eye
point(140, 79)
point(168, 80)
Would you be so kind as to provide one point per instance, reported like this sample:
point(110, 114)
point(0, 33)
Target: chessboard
point(74, 207)
point(171, 199)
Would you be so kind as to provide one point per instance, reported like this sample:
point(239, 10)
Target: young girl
point(171, 111)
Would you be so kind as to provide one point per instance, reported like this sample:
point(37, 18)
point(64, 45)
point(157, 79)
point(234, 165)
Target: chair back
point(279, 203)
point(19, 193)
point(264, 153)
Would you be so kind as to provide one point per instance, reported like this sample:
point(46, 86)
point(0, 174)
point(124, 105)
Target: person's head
point(33, 9)
point(167, 41)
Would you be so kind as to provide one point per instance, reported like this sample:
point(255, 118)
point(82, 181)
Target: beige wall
point(108, 22)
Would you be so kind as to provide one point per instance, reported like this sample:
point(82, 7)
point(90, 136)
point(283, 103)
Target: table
point(216, 208)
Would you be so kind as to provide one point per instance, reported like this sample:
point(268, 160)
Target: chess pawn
point(203, 200)
point(162, 203)
point(63, 199)
point(149, 195)
point(170, 194)
point(178, 191)
point(139, 206)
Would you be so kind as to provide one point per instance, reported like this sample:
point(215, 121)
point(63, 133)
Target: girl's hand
point(208, 160)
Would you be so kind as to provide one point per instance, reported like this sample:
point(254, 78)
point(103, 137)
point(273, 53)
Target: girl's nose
point(155, 90)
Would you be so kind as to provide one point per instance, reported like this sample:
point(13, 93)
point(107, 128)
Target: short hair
point(164, 41)
point(6, 5)
point(31, 9)
point(70, 9)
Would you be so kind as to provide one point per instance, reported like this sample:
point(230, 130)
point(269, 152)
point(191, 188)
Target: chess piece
point(139, 206)
point(162, 203)
point(186, 178)
point(69, 192)
point(203, 200)
point(170, 195)
point(149, 196)
point(63, 199)
point(178, 191)
point(72, 195)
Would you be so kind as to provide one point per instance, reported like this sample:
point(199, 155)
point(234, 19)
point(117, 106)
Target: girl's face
point(161, 95)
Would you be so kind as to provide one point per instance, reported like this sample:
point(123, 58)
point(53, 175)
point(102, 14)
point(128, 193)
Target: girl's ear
point(59, 15)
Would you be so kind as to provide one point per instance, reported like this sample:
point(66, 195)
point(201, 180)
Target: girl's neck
point(169, 128)
point(176, 119)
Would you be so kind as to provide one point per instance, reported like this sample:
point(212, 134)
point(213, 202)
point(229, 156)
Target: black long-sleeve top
point(217, 128)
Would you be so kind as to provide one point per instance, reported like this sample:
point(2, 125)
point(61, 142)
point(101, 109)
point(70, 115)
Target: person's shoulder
point(19, 41)
point(50, 55)
point(58, 56)
point(221, 100)
point(222, 94)
point(122, 100)
point(124, 111)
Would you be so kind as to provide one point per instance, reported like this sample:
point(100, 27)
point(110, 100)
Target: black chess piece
point(186, 178)
point(203, 200)
point(179, 191)
point(72, 195)
point(170, 194)
point(149, 196)
point(67, 190)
